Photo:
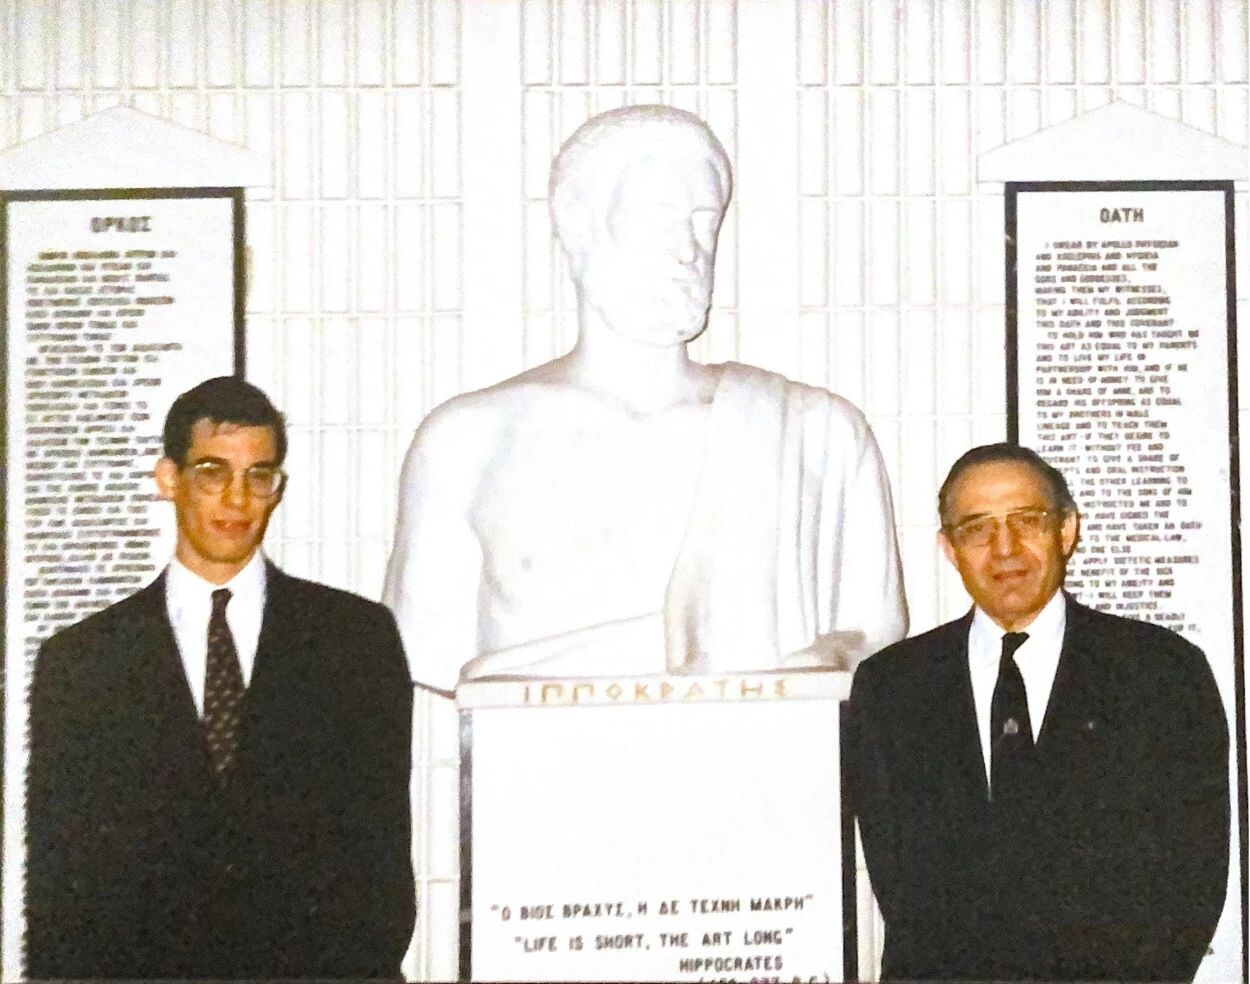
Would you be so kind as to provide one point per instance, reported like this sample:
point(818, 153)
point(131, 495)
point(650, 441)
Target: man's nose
point(1005, 540)
point(236, 491)
point(683, 244)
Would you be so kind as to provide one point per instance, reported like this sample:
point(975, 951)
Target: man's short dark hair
point(1057, 485)
point(221, 400)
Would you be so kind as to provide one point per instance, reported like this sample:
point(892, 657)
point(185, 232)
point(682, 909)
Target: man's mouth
point(231, 527)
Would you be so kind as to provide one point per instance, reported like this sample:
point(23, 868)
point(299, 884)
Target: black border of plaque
point(850, 871)
point(1012, 190)
point(238, 286)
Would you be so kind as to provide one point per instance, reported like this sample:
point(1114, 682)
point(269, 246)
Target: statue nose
point(683, 245)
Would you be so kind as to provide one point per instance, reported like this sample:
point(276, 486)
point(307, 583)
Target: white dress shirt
point(189, 601)
point(1038, 659)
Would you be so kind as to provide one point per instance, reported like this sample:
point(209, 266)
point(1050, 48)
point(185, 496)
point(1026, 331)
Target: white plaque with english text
point(1122, 327)
point(655, 828)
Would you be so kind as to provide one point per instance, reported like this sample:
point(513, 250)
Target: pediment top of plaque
point(1116, 142)
point(123, 147)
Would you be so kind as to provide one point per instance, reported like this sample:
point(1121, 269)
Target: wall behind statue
point(403, 253)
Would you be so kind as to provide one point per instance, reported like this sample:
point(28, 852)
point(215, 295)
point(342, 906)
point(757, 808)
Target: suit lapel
point(282, 648)
point(1073, 707)
point(160, 681)
point(284, 635)
point(960, 708)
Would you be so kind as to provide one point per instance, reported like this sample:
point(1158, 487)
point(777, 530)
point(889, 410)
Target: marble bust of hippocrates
point(624, 509)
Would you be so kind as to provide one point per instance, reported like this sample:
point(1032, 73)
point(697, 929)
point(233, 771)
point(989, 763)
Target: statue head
point(637, 197)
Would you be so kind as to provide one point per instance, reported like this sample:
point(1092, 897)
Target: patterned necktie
point(1011, 733)
point(223, 690)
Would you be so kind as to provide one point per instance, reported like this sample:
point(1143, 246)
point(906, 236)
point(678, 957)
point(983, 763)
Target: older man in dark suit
point(1042, 789)
point(219, 764)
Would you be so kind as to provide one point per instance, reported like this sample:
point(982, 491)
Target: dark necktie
point(223, 690)
point(1011, 733)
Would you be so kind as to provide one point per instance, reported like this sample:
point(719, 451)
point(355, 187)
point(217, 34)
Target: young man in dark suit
point(219, 767)
point(1042, 789)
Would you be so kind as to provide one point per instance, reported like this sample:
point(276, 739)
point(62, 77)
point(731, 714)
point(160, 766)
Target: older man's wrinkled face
point(648, 268)
point(1008, 540)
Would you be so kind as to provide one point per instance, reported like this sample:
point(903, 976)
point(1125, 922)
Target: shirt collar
point(184, 586)
point(1047, 627)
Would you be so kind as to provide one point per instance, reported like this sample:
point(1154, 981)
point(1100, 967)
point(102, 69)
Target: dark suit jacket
point(1119, 869)
point(139, 865)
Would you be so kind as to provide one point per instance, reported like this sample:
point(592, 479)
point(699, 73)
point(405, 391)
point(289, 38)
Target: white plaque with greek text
point(115, 302)
point(654, 828)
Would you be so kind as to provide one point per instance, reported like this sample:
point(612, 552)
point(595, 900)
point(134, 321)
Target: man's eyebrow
point(267, 463)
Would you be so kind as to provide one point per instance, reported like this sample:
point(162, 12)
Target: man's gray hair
point(598, 151)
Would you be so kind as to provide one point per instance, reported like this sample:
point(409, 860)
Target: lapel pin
point(1010, 727)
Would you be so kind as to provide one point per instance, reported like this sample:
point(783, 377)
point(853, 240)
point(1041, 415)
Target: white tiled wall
point(403, 253)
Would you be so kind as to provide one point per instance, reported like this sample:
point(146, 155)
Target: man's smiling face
point(1014, 575)
point(219, 532)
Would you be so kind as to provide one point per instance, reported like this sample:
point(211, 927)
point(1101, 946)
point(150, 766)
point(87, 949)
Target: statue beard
point(652, 309)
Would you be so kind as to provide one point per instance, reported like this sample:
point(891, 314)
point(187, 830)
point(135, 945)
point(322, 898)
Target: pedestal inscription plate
point(655, 828)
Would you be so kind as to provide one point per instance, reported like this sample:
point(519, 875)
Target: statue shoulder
point(811, 401)
point(477, 421)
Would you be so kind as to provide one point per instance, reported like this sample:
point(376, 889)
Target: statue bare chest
point(578, 507)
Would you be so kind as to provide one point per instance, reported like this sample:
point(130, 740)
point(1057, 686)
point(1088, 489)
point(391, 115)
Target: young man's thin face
point(219, 532)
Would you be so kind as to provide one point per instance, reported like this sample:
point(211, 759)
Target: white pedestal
point(656, 828)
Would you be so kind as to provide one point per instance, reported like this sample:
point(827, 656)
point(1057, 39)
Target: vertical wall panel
point(1234, 40)
point(220, 41)
point(185, 47)
point(883, 43)
point(370, 55)
point(335, 244)
point(1093, 39)
point(573, 19)
point(956, 53)
point(1023, 41)
point(335, 142)
point(33, 54)
point(409, 42)
point(813, 31)
point(683, 41)
point(444, 42)
point(1164, 40)
point(259, 56)
point(610, 44)
point(372, 130)
point(990, 29)
point(1061, 40)
point(848, 42)
point(921, 43)
point(720, 48)
point(1130, 40)
point(70, 41)
point(331, 25)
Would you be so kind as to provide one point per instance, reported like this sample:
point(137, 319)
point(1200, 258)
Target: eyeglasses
point(213, 476)
point(1025, 524)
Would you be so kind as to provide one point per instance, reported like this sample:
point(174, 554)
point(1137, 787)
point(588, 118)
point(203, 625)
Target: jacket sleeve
point(376, 906)
point(63, 931)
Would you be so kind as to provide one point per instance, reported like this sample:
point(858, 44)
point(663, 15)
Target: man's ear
point(166, 475)
point(948, 548)
point(1069, 532)
point(577, 234)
